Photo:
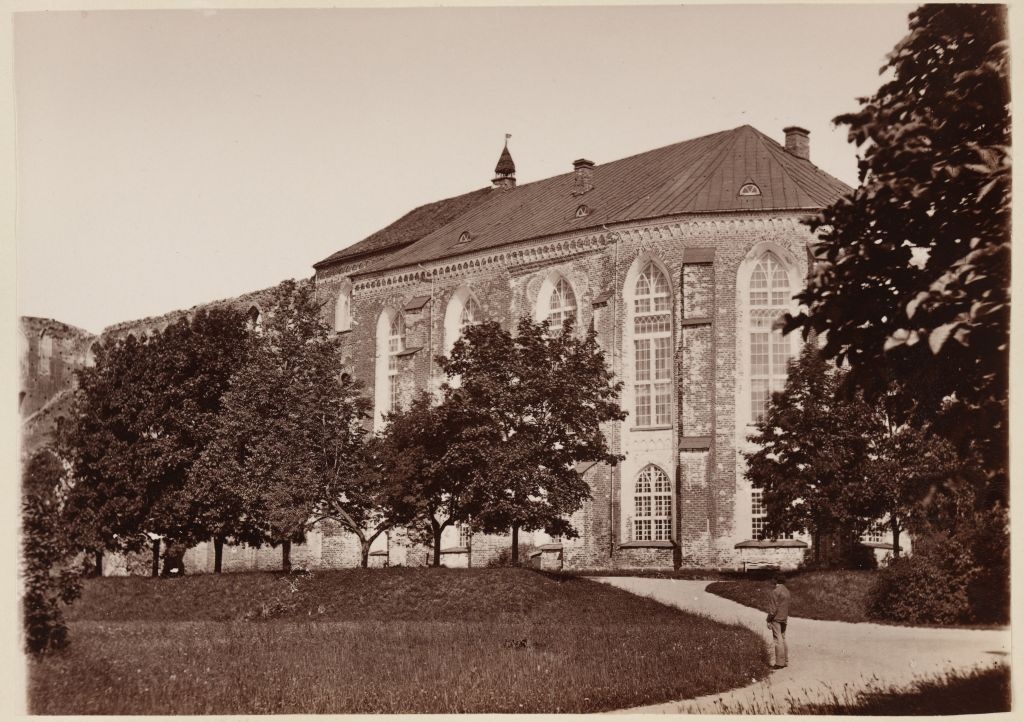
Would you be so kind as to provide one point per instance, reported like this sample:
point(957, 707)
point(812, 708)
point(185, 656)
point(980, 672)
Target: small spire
point(505, 170)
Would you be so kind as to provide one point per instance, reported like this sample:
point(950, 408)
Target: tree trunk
point(515, 545)
point(364, 551)
point(437, 543)
point(218, 554)
point(895, 538)
point(156, 558)
point(286, 555)
point(99, 562)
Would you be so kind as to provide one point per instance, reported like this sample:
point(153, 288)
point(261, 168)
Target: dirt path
point(826, 659)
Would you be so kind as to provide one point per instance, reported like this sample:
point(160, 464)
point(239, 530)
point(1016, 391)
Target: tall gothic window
point(770, 295)
point(561, 305)
point(396, 345)
point(652, 505)
point(471, 314)
point(343, 308)
point(652, 347)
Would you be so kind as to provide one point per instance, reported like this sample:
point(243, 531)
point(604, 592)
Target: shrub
point(928, 587)
point(860, 557)
point(51, 578)
point(504, 557)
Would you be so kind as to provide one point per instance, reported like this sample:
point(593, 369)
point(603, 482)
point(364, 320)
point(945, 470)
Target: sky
point(170, 158)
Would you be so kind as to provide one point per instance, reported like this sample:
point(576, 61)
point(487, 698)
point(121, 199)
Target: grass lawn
point(837, 595)
point(980, 692)
point(382, 640)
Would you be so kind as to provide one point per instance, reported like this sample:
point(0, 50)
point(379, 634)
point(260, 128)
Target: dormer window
point(465, 237)
point(582, 211)
point(750, 189)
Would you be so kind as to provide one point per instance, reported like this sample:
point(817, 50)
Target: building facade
point(681, 259)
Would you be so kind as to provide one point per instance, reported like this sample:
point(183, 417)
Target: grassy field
point(386, 641)
point(979, 692)
point(837, 595)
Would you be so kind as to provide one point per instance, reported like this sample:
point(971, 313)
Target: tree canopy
point(531, 407)
point(144, 414)
point(288, 430)
point(830, 461)
point(911, 272)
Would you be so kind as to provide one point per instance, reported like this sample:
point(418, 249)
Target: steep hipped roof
point(411, 227)
point(702, 175)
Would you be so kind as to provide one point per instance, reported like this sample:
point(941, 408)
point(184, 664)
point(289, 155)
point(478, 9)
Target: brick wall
point(701, 450)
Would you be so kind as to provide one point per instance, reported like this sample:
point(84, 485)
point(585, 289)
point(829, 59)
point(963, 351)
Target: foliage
point(928, 587)
point(834, 594)
point(911, 273)
point(832, 462)
point(432, 640)
point(144, 414)
point(530, 406)
point(421, 483)
point(50, 579)
point(808, 451)
point(288, 428)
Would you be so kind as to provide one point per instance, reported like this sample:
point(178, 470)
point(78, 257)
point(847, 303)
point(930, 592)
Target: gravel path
point(826, 659)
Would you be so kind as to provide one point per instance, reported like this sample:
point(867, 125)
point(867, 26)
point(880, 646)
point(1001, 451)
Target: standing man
point(778, 614)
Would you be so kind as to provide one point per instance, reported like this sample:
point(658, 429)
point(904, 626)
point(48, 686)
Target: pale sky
point(169, 158)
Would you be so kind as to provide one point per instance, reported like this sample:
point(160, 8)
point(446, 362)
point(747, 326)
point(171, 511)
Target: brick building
point(681, 258)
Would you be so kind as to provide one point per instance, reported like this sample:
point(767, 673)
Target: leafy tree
point(109, 501)
point(531, 406)
point(912, 269)
point(146, 412)
point(422, 483)
point(830, 461)
point(807, 451)
point(50, 579)
point(287, 433)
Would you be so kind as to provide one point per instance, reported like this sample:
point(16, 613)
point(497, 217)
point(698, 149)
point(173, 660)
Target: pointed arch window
point(471, 314)
point(770, 295)
point(561, 305)
point(396, 345)
point(652, 505)
point(652, 347)
point(343, 309)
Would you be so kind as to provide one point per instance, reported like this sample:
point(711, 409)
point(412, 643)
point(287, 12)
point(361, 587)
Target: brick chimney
point(798, 142)
point(584, 178)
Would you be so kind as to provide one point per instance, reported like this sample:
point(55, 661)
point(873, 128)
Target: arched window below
point(652, 505)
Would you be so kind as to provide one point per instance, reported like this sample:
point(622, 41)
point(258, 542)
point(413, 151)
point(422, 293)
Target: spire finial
point(505, 171)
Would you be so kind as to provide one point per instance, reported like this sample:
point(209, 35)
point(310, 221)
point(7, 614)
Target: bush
point(860, 557)
point(504, 557)
point(928, 587)
point(51, 578)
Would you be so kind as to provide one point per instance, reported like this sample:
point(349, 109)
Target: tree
point(49, 577)
point(288, 430)
point(911, 272)
point(423, 484)
point(808, 453)
point(831, 461)
point(531, 406)
point(146, 412)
